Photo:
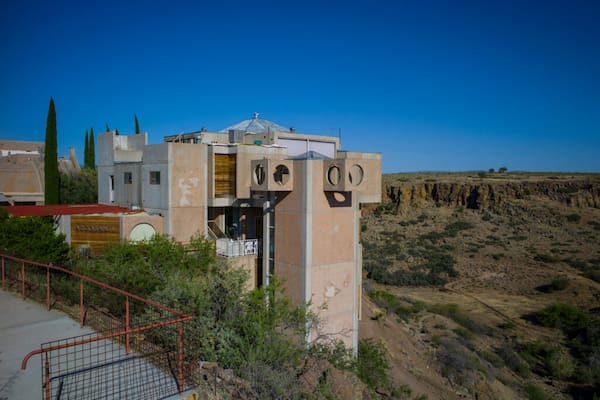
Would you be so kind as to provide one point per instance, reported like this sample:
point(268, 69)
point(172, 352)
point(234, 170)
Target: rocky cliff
point(474, 193)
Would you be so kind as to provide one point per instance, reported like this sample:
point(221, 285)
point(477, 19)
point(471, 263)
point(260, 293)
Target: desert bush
point(513, 360)
point(453, 312)
point(391, 303)
point(573, 217)
point(567, 189)
point(583, 332)
point(545, 258)
point(534, 393)
point(459, 365)
point(518, 238)
point(507, 325)
point(372, 363)
point(556, 285)
point(454, 228)
point(493, 359)
point(593, 275)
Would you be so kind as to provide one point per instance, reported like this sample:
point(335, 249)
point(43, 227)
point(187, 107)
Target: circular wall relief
point(281, 174)
point(356, 175)
point(142, 232)
point(334, 175)
point(259, 174)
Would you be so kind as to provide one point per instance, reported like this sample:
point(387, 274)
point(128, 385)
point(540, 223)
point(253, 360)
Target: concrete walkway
point(24, 326)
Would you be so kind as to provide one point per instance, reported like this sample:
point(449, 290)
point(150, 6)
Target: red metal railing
point(131, 335)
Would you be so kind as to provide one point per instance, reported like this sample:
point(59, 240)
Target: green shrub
point(33, 238)
point(507, 325)
point(534, 393)
point(545, 258)
point(593, 275)
point(493, 359)
point(513, 360)
point(573, 217)
point(372, 363)
point(453, 312)
point(453, 228)
point(556, 285)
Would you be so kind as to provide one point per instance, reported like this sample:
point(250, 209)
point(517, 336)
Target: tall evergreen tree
point(107, 128)
point(51, 186)
point(86, 151)
point(92, 149)
point(137, 126)
point(117, 132)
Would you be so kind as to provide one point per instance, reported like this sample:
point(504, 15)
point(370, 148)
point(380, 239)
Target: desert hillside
point(486, 285)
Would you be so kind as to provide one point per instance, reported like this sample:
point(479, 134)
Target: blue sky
point(446, 86)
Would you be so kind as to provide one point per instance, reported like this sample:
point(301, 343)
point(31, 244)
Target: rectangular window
point(225, 165)
point(128, 178)
point(155, 177)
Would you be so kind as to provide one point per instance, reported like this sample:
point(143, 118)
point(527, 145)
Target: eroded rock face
point(579, 194)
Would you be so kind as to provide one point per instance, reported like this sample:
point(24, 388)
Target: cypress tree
point(137, 126)
point(116, 132)
point(107, 128)
point(51, 187)
point(86, 151)
point(92, 149)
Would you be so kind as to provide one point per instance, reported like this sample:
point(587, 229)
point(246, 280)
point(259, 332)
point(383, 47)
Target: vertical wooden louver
point(224, 175)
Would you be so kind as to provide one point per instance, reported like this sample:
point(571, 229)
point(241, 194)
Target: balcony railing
point(236, 248)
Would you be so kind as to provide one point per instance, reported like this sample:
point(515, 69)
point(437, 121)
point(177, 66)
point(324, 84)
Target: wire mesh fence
point(135, 348)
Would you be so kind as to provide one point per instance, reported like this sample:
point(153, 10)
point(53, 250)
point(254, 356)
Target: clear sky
point(445, 86)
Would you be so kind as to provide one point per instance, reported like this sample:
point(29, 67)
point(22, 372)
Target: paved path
point(24, 326)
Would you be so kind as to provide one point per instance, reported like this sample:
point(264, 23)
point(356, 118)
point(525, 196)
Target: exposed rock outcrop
point(489, 194)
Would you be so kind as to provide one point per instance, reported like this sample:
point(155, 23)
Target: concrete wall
point(113, 149)
point(315, 251)
point(370, 189)
point(129, 221)
point(188, 190)
point(128, 195)
point(245, 155)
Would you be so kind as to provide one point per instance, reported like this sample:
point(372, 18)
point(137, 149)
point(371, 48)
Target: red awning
point(66, 209)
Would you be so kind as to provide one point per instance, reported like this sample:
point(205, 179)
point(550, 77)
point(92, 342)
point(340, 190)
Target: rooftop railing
point(236, 248)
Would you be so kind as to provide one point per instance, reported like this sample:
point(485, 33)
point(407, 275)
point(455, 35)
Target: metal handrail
point(126, 332)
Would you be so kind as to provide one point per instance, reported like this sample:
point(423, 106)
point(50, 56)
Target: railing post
point(2, 272)
point(80, 303)
point(127, 324)
point(23, 279)
point(48, 288)
point(47, 377)
point(180, 358)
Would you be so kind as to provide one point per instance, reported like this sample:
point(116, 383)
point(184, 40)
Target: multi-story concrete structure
point(22, 171)
point(276, 201)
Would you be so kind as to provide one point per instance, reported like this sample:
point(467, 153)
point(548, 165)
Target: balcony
point(237, 248)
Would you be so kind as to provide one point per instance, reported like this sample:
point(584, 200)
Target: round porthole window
point(142, 232)
point(356, 175)
point(259, 174)
point(334, 175)
point(281, 174)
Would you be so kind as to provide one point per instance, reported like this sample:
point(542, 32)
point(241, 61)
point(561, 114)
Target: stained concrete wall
point(315, 251)
point(188, 190)
point(128, 194)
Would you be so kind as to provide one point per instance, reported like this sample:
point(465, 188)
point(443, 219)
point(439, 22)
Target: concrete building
point(274, 200)
point(22, 171)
